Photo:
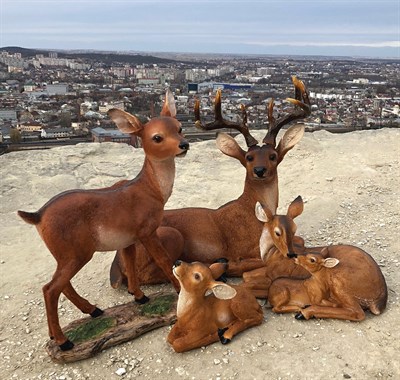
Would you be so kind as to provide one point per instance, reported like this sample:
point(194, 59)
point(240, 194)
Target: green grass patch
point(91, 329)
point(158, 306)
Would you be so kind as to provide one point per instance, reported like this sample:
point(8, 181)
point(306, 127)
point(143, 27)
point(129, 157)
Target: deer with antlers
point(338, 281)
point(232, 231)
point(77, 223)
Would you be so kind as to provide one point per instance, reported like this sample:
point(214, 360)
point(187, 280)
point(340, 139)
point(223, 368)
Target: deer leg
point(117, 275)
point(81, 303)
point(257, 282)
point(191, 341)
point(129, 262)
point(160, 255)
point(352, 312)
point(51, 293)
point(238, 267)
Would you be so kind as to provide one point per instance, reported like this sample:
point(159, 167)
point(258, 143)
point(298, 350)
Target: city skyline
point(332, 28)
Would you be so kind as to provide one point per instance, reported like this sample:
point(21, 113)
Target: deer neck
point(161, 174)
point(188, 303)
point(266, 193)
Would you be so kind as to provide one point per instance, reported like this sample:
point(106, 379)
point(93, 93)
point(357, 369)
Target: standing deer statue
point(341, 280)
point(209, 311)
point(232, 231)
point(77, 223)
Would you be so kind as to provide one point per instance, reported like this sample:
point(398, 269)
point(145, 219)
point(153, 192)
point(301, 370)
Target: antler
point(220, 122)
point(302, 110)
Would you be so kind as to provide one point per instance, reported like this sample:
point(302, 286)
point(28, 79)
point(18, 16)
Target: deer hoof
point(96, 313)
point(142, 300)
point(221, 336)
point(67, 345)
point(300, 317)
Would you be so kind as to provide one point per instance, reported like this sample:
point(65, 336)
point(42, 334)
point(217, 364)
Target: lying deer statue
point(75, 224)
point(231, 231)
point(333, 291)
point(278, 245)
point(338, 288)
point(209, 311)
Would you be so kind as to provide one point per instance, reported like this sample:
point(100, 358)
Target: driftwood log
point(117, 325)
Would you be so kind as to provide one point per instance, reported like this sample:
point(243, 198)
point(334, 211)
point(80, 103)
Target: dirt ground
point(350, 184)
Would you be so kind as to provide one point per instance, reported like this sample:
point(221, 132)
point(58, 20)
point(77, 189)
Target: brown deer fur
point(340, 287)
point(343, 290)
point(232, 231)
point(75, 224)
point(209, 311)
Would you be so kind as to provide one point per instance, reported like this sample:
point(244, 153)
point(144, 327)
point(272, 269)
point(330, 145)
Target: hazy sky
point(322, 27)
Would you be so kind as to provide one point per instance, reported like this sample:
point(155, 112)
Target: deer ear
point(266, 242)
point(169, 108)
point(229, 146)
point(291, 137)
point(125, 122)
point(295, 208)
point(263, 215)
point(223, 291)
point(330, 262)
point(218, 269)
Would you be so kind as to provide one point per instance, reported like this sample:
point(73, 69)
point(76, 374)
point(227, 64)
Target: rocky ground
point(350, 183)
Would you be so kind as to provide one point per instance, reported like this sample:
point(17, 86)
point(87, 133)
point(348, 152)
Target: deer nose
point(259, 171)
point(291, 255)
point(177, 263)
point(184, 145)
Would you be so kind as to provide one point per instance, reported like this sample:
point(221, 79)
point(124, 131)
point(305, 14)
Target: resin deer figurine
point(278, 244)
point(77, 223)
point(338, 281)
point(232, 231)
point(338, 288)
point(209, 311)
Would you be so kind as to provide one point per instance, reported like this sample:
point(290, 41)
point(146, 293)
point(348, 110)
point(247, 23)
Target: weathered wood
point(117, 325)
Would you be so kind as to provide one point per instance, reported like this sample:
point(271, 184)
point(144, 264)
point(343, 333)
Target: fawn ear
point(223, 291)
point(229, 146)
point(126, 122)
point(218, 269)
point(291, 137)
point(263, 214)
point(295, 208)
point(169, 108)
point(330, 262)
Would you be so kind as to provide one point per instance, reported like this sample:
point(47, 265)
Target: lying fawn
point(338, 288)
point(209, 311)
point(232, 231)
point(278, 244)
point(333, 291)
point(76, 223)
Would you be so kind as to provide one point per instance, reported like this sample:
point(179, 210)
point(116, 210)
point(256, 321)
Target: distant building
point(57, 89)
point(54, 133)
point(205, 86)
point(113, 135)
point(8, 114)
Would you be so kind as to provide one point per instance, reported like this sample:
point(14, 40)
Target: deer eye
point(313, 260)
point(249, 158)
point(277, 232)
point(272, 157)
point(197, 276)
point(157, 138)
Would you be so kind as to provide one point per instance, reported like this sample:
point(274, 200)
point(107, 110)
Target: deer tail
point(30, 217)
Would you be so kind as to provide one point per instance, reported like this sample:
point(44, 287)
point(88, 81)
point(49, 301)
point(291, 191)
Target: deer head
point(313, 262)
point(158, 135)
point(260, 160)
point(278, 230)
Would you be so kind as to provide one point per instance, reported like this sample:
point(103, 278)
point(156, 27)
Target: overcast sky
point(307, 27)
